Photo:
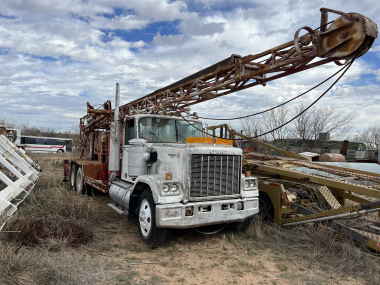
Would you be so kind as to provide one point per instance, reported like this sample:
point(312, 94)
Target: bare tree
point(13, 123)
point(316, 120)
point(275, 118)
point(369, 134)
point(252, 127)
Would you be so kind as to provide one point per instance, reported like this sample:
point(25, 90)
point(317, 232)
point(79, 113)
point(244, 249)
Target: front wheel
point(60, 151)
point(149, 232)
point(240, 226)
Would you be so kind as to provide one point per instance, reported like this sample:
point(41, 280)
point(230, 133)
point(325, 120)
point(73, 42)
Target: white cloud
point(168, 40)
point(90, 55)
point(375, 49)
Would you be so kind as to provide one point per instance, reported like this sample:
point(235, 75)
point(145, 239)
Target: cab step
point(117, 209)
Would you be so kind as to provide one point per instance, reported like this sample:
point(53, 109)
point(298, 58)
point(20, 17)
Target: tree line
point(307, 127)
point(30, 130)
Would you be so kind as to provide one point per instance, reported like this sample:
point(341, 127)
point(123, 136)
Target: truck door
point(129, 133)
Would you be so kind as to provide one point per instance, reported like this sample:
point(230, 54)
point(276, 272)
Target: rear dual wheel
point(77, 179)
point(80, 188)
point(73, 175)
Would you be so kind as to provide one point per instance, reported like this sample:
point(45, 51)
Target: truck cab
point(173, 177)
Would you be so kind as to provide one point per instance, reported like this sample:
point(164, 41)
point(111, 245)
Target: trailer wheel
point(266, 208)
point(79, 185)
point(73, 175)
point(149, 232)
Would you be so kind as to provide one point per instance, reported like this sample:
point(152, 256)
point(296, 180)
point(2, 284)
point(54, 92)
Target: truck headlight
point(165, 188)
point(174, 188)
point(249, 184)
point(168, 189)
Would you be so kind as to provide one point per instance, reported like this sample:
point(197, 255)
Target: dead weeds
point(318, 244)
point(265, 254)
point(51, 218)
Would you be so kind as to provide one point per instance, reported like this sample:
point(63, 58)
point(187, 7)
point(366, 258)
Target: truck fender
point(148, 181)
point(143, 182)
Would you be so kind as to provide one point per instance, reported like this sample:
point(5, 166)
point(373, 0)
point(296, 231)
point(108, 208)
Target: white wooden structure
point(18, 173)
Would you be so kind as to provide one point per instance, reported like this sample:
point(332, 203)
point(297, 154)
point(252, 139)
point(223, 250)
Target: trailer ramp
point(18, 175)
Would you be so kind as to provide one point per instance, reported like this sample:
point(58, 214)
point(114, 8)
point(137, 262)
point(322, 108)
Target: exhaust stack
point(114, 158)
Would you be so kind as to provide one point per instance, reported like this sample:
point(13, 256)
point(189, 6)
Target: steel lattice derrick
point(348, 37)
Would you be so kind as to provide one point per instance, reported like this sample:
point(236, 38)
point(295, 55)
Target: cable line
point(255, 114)
point(324, 93)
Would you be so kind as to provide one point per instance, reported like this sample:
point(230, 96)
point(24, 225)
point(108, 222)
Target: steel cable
point(215, 119)
point(294, 98)
point(324, 93)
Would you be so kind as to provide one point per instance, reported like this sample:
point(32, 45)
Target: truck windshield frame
point(165, 130)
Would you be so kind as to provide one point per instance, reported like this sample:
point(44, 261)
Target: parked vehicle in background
point(46, 144)
point(11, 134)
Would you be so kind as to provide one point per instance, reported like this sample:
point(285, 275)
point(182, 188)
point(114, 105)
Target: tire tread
point(157, 236)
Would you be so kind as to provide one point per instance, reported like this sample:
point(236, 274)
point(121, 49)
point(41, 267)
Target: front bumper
point(205, 213)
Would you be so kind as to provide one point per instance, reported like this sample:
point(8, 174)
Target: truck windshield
point(167, 130)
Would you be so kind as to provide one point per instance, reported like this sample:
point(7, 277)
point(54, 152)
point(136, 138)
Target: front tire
point(60, 151)
point(149, 232)
point(79, 185)
point(240, 226)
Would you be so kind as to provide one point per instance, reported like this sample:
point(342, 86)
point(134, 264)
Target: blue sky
point(57, 55)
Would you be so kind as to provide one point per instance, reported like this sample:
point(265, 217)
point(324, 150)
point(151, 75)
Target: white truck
point(163, 173)
point(167, 175)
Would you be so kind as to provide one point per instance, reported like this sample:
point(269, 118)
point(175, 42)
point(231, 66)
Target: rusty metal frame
point(233, 134)
point(345, 38)
point(348, 37)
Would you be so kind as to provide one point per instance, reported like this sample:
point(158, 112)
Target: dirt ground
point(116, 254)
point(191, 258)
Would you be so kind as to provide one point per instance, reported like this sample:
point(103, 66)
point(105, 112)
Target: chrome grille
point(214, 175)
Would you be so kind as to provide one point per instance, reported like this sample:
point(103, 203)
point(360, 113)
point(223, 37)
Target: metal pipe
point(114, 159)
point(324, 19)
point(334, 217)
point(117, 99)
point(91, 145)
point(375, 228)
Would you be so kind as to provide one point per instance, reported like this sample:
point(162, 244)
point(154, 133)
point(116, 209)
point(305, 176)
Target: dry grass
point(54, 199)
point(316, 244)
point(13, 260)
point(39, 266)
point(113, 245)
point(51, 261)
point(67, 268)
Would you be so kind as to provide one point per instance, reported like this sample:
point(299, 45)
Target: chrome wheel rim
point(72, 177)
point(79, 182)
point(145, 218)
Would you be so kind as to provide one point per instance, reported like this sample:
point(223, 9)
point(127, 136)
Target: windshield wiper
point(155, 136)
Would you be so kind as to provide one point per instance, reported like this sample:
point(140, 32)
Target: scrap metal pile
point(295, 191)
